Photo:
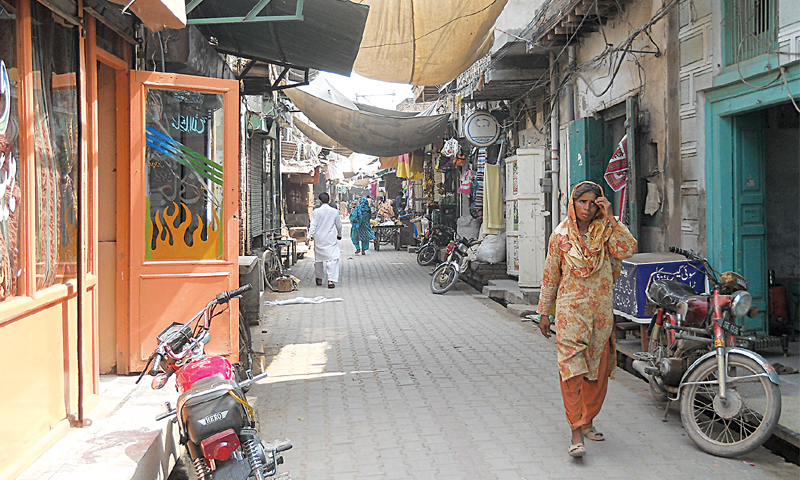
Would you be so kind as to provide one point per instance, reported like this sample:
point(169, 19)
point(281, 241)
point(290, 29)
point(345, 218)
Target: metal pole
point(554, 141)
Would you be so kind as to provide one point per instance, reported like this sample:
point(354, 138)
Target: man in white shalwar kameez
point(326, 231)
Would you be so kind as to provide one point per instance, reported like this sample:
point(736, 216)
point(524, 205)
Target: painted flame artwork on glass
point(184, 175)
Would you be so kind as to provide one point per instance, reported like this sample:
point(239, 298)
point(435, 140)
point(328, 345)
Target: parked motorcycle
point(215, 421)
point(730, 398)
point(433, 239)
point(459, 254)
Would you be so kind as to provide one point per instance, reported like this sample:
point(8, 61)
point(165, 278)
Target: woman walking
point(583, 261)
point(360, 231)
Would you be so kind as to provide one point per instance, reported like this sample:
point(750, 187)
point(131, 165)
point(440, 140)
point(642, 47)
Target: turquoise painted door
point(587, 158)
point(750, 233)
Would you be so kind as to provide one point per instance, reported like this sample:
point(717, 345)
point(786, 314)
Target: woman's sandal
point(319, 281)
point(592, 434)
point(577, 450)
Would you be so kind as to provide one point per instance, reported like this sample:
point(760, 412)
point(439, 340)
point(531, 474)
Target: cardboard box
point(284, 284)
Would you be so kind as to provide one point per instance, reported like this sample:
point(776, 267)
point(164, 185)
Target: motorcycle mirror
point(159, 381)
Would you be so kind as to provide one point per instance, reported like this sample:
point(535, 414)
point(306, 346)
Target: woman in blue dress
point(360, 231)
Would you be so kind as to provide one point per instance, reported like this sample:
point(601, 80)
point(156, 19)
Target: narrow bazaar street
point(396, 383)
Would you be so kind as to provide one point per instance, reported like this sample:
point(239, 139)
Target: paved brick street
point(396, 383)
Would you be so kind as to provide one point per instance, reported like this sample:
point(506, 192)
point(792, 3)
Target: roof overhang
point(310, 34)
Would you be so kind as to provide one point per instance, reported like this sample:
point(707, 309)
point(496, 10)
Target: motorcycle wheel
point(658, 348)
point(737, 428)
point(444, 278)
point(426, 254)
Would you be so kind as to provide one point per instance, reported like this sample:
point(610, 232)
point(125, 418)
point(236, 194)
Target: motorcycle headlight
point(741, 303)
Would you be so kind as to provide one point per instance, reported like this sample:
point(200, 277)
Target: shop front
point(117, 212)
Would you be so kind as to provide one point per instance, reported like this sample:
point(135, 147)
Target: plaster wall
point(697, 68)
point(513, 19)
point(643, 75)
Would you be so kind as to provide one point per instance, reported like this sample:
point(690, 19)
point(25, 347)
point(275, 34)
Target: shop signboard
point(629, 289)
point(481, 129)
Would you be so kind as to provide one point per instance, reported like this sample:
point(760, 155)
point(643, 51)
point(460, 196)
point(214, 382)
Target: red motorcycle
point(730, 397)
point(215, 421)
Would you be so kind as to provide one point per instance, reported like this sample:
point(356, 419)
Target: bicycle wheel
point(245, 350)
point(273, 269)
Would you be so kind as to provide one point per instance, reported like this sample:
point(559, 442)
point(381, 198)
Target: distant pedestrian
point(361, 232)
point(583, 260)
point(326, 231)
point(386, 211)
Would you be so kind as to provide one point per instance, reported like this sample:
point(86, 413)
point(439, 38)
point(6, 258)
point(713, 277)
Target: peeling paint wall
point(641, 75)
point(697, 53)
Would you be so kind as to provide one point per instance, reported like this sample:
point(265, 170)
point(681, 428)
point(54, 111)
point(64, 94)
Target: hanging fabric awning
point(365, 129)
point(425, 42)
point(315, 135)
point(319, 34)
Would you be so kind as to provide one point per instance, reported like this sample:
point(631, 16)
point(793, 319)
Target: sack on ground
point(492, 249)
point(467, 226)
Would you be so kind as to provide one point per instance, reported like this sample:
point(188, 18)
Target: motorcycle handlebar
point(690, 254)
point(226, 297)
point(155, 365)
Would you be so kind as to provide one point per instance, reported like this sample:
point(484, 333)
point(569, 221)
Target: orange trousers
point(583, 398)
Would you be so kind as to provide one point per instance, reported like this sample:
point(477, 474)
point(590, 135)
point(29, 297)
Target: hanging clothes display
point(410, 165)
point(479, 169)
point(465, 182)
point(493, 201)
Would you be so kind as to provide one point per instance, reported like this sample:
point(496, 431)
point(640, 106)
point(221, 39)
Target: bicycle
point(271, 263)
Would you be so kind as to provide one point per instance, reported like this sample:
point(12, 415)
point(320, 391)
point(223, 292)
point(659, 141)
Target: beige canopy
point(425, 42)
point(315, 135)
point(365, 129)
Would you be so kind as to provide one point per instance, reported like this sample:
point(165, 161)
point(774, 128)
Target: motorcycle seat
point(668, 293)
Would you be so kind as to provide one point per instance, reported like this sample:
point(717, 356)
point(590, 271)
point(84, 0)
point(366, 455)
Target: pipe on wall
point(554, 141)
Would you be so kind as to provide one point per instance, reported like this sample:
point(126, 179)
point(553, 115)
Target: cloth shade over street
point(425, 42)
point(365, 129)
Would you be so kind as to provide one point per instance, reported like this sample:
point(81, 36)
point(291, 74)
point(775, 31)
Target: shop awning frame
point(289, 33)
point(252, 16)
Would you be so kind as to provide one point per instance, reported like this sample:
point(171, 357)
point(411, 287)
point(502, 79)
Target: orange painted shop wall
point(39, 357)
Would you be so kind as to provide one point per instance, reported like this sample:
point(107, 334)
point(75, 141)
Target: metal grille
point(749, 29)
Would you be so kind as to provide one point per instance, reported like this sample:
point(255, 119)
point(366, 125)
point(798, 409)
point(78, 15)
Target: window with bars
point(749, 29)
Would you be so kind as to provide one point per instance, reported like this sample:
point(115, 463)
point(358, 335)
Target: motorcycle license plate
point(730, 327)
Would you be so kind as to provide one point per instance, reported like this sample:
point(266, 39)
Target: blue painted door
point(750, 233)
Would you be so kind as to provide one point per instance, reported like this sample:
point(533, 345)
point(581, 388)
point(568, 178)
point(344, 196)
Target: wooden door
point(750, 239)
point(183, 206)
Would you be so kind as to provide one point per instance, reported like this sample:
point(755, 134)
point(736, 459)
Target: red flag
point(617, 173)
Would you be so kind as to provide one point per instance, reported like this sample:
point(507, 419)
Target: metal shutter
point(255, 185)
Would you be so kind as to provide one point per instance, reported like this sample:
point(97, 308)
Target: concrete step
point(124, 440)
point(521, 310)
point(494, 292)
point(531, 295)
point(412, 249)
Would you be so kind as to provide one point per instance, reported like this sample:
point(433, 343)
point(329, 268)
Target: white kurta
point(326, 226)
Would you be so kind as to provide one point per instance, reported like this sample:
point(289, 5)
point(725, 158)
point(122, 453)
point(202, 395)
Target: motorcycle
point(730, 399)
point(433, 239)
point(216, 423)
point(458, 255)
